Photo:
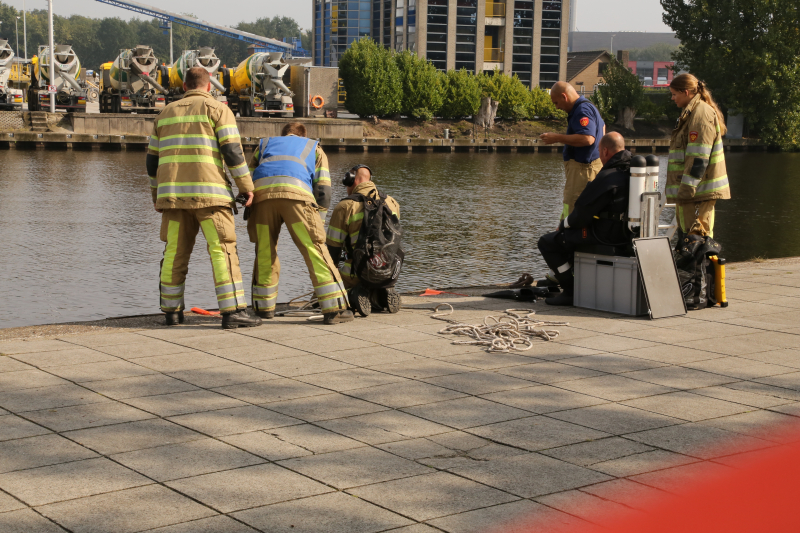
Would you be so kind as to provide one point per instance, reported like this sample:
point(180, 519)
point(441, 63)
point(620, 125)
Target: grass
point(759, 259)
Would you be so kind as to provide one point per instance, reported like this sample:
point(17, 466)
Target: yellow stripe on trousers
point(219, 259)
point(321, 269)
point(170, 251)
point(264, 255)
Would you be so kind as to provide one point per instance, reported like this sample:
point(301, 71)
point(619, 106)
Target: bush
point(513, 96)
point(372, 78)
point(650, 111)
point(462, 95)
point(542, 106)
point(423, 86)
point(602, 101)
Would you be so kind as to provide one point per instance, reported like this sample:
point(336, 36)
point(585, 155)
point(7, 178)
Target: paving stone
point(8, 364)
point(537, 433)
point(313, 438)
point(60, 358)
point(178, 362)
point(14, 427)
point(373, 356)
point(680, 378)
point(145, 347)
point(44, 450)
point(7, 503)
point(403, 424)
point(86, 416)
point(784, 357)
point(326, 343)
point(641, 463)
point(270, 352)
point(215, 524)
point(614, 388)
point(786, 381)
point(761, 424)
point(245, 488)
point(698, 440)
point(351, 379)
point(597, 451)
point(228, 339)
point(673, 355)
point(406, 394)
point(610, 343)
point(221, 376)
point(132, 511)
point(555, 351)
point(324, 407)
point(517, 517)
point(629, 493)
point(416, 528)
point(676, 480)
point(612, 363)
point(27, 521)
point(435, 348)
point(301, 365)
point(333, 513)
point(792, 409)
point(493, 361)
point(132, 436)
point(531, 475)
point(150, 385)
point(186, 459)
point(740, 368)
point(389, 336)
point(549, 372)
point(268, 446)
point(353, 468)
point(274, 390)
point(588, 507)
point(431, 496)
point(421, 368)
point(77, 479)
point(744, 345)
point(771, 392)
point(543, 399)
point(480, 382)
point(615, 419)
point(463, 413)
point(687, 406)
point(33, 345)
point(182, 403)
point(98, 340)
point(234, 420)
point(21, 400)
point(28, 379)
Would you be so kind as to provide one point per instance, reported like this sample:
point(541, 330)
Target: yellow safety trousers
point(179, 228)
point(303, 221)
point(696, 218)
point(578, 177)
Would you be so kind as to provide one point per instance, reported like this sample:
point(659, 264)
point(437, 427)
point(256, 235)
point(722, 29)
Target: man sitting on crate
point(599, 217)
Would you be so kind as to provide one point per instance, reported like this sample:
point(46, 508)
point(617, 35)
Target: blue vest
point(286, 162)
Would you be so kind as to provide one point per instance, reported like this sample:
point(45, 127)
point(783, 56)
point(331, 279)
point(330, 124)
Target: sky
point(593, 15)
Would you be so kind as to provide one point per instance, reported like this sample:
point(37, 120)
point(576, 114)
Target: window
point(522, 44)
point(601, 68)
point(550, 58)
point(437, 33)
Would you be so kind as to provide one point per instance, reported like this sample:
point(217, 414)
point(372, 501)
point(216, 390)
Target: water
point(81, 237)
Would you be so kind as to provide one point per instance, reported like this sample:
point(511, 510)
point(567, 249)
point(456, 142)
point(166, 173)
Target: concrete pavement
point(384, 425)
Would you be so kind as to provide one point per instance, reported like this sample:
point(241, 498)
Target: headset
point(350, 175)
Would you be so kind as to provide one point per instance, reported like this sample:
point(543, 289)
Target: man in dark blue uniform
point(585, 128)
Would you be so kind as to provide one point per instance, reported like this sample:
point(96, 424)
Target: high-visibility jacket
point(293, 168)
point(192, 141)
point(696, 171)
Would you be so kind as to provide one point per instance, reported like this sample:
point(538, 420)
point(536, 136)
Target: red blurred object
point(431, 292)
point(204, 312)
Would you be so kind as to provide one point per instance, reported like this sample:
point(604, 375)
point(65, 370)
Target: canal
point(80, 237)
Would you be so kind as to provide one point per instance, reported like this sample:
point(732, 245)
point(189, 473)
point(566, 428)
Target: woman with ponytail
point(696, 176)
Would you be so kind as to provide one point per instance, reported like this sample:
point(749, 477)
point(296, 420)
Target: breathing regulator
point(350, 175)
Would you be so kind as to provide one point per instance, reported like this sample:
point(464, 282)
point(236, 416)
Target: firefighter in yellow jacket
point(696, 177)
point(293, 186)
point(193, 139)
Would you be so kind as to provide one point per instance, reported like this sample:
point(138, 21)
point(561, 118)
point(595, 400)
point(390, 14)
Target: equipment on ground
point(525, 294)
point(720, 294)
point(130, 85)
point(660, 277)
point(637, 188)
point(172, 78)
point(255, 88)
point(10, 98)
point(62, 82)
point(377, 254)
point(316, 90)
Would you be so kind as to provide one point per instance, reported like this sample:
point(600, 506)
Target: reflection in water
point(81, 236)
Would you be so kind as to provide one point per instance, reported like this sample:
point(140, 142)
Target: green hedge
point(373, 80)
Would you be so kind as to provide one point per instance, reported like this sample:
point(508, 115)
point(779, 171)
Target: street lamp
point(612, 44)
point(16, 30)
point(25, 29)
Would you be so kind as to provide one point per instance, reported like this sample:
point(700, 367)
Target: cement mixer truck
point(60, 81)
point(10, 99)
point(256, 87)
point(171, 78)
point(130, 85)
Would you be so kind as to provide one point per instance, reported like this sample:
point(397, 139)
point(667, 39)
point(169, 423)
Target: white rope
point(512, 332)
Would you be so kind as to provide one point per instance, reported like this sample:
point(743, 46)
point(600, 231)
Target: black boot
point(390, 300)
point(375, 299)
point(239, 319)
point(173, 319)
point(266, 314)
point(567, 296)
point(359, 300)
point(338, 317)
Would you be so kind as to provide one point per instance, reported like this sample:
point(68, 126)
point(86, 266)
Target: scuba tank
point(637, 188)
point(652, 174)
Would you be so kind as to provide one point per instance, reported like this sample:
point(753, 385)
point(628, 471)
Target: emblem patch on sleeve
point(693, 135)
point(585, 121)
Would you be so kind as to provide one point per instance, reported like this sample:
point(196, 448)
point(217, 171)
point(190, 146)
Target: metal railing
point(495, 9)
point(493, 55)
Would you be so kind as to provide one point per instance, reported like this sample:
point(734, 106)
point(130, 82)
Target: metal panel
point(659, 277)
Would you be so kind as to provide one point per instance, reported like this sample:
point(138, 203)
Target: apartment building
point(525, 37)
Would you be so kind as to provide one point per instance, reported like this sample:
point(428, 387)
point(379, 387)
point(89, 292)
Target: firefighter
point(598, 217)
point(343, 231)
point(193, 138)
point(293, 186)
point(696, 177)
point(585, 128)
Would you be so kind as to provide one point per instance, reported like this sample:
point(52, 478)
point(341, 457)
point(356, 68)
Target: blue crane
point(265, 43)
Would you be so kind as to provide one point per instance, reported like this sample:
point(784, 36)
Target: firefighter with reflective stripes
point(193, 139)
point(293, 186)
point(696, 177)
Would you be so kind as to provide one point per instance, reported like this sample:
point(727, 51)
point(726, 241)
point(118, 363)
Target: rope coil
point(512, 332)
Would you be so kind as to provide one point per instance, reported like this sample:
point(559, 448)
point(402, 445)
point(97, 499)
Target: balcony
point(495, 9)
point(493, 55)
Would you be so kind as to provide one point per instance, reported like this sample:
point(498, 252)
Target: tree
point(542, 106)
point(462, 94)
point(372, 78)
point(423, 86)
point(513, 96)
point(621, 95)
point(747, 52)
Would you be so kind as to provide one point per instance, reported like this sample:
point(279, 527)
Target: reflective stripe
point(265, 291)
point(228, 304)
point(712, 185)
point(322, 174)
point(283, 158)
point(172, 289)
point(676, 168)
point(239, 170)
point(564, 268)
point(565, 212)
point(328, 289)
point(153, 182)
point(229, 288)
point(354, 237)
point(189, 159)
point(170, 250)
point(718, 148)
point(219, 259)
point(698, 150)
point(690, 181)
point(334, 304)
point(172, 305)
point(282, 181)
point(716, 159)
point(210, 190)
point(677, 155)
point(188, 141)
point(185, 119)
point(347, 268)
point(321, 269)
point(153, 143)
point(356, 217)
point(225, 132)
point(263, 255)
point(335, 234)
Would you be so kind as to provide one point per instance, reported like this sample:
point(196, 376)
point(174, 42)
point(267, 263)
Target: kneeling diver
point(598, 218)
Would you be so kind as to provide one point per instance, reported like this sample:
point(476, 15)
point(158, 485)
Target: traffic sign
point(51, 89)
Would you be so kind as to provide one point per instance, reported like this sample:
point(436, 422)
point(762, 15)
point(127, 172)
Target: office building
point(526, 37)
